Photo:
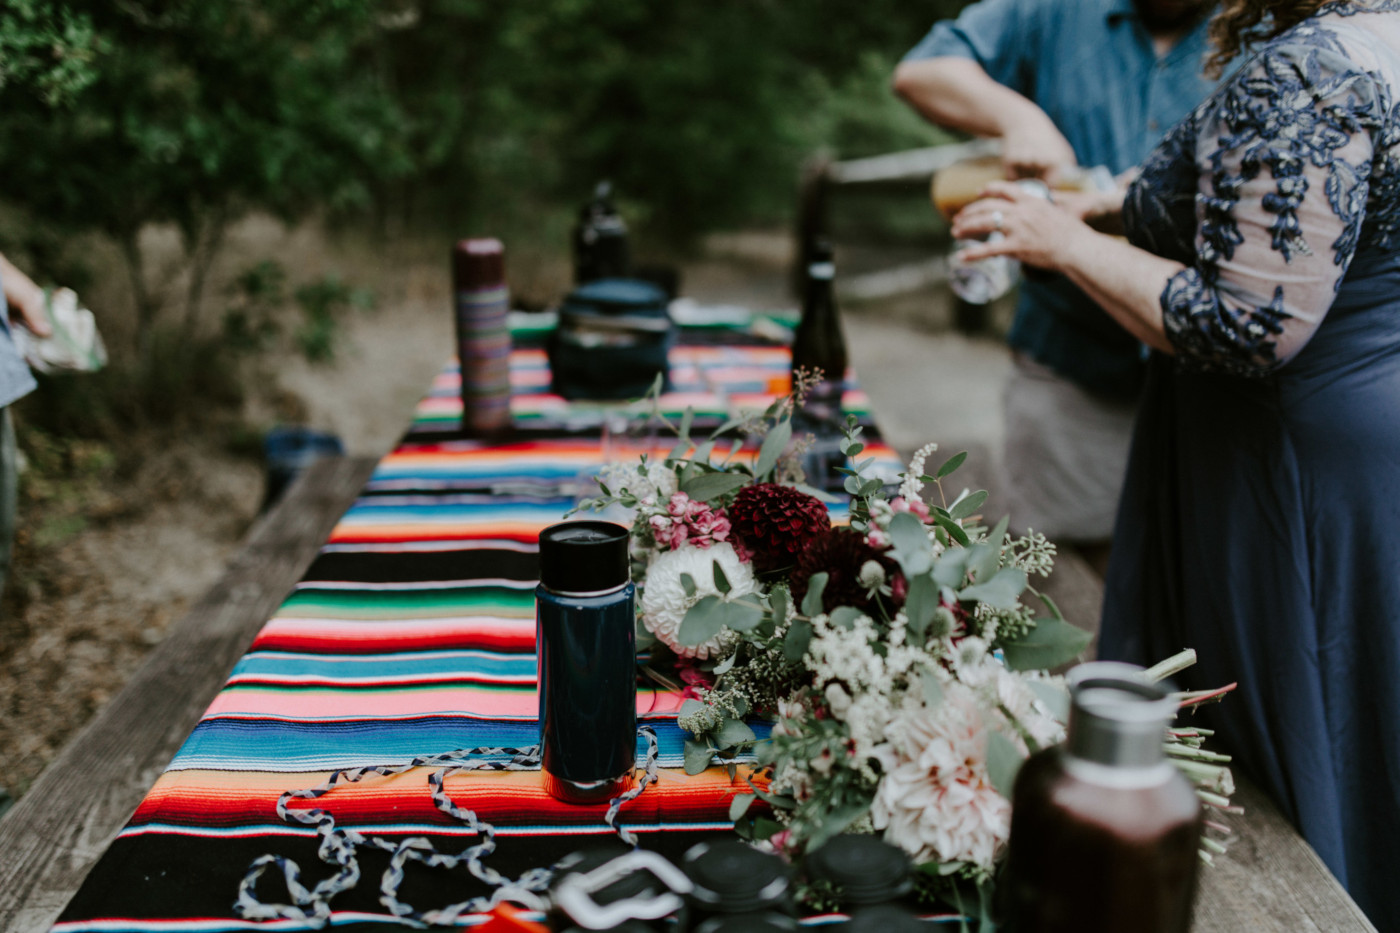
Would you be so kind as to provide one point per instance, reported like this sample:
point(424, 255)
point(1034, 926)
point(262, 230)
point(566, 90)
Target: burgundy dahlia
point(840, 554)
point(774, 523)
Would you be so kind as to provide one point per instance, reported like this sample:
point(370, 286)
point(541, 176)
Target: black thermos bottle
point(586, 643)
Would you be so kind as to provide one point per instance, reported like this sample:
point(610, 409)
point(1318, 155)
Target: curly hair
point(1240, 23)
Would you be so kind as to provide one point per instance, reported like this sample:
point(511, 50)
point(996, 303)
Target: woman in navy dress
point(1260, 521)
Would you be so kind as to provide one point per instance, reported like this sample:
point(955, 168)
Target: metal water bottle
point(1104, 830)
point(586, 643)
point(483, 335)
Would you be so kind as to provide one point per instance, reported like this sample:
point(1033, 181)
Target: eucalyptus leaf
point(778, 599)
point(1050, 644)
point(1003, 761)
point(852, 485)
point(702, 453)
point(911, 545)
point(725, 666)
point(742, 616)
point(709, 486)
point(919, 607)
point(1000, 592)
point(820, 495)
point(740, 805)
point(721, 581)
point(951, 464)
point(688, 584)
point(702, 621)
point(796, 641)
point(998, 534)
point(697, 756)
point(773, 446)
point(951, 568)
point(781, 801)
point(1054, 696)
point(834, 822)
point(689, 708)
point(983, 560)
point(845, 617)
point(812, 602)
point(729, 425)
point(968, 504)
point(764, 828)
point(733, 733)
point(687, 420)
point(954, 530)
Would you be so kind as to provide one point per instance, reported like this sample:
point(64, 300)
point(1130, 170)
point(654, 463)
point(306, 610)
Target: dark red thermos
point(1104, 829)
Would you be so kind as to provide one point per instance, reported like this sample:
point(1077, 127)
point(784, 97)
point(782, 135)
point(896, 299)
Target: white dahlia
point(664, 600)
point(935, 800)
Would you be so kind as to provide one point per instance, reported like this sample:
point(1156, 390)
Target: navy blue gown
point(1260, 521)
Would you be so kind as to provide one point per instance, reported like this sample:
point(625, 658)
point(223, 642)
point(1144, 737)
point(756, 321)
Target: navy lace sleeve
point(1282, 158)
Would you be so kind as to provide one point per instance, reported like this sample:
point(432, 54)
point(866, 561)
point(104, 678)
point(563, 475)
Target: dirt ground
point(148, 543)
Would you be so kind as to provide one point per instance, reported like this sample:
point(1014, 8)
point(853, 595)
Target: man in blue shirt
point(1090, 83)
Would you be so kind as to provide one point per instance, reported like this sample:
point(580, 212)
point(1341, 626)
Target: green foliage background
point(118, 114)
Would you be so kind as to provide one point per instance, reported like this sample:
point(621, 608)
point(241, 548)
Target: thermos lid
point(1117, 717)
point(766, 922)
point(478, 263)
point(885, 918)
point(732, 877)
point(864, 869)
point(584, 557)
point(616, 296)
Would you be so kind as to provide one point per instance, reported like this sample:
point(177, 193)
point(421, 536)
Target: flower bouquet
point(887, 674)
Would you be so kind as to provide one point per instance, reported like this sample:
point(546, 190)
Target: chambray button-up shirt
point(1090, 65)
point(16, 381)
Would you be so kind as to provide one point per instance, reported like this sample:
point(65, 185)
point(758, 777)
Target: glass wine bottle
point(819, 343)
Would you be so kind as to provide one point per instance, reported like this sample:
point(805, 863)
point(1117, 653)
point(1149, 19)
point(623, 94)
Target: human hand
point(1033, 147)
point(26, 300)
point(1033, 230)
point(27, 307)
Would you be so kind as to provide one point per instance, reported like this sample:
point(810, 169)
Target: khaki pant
point(1065, 454)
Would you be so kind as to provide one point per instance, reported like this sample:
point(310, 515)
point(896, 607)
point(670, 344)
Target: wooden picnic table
point(1270, 880)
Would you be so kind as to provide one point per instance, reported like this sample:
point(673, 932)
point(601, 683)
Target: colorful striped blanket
point(413, 634)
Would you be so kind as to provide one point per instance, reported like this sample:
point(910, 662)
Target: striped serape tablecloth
point(413, 634)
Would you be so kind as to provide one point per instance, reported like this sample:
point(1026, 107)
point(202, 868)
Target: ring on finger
point(997, 221)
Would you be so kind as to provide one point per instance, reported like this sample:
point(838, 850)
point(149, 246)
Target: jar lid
point(479, 263)
point(864, 869)
point(766, 922)
point(584, 557)
point(732, 877)
point(885, 918)
point(1117, 716)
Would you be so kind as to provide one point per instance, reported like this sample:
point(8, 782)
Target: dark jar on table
point(730, 878)
point(860, 870)
point(1104, 829)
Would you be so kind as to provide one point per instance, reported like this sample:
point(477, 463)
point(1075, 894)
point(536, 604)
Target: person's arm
point(26, 300)
point(1125, 281)
point(957, 93)
point(1278, 217)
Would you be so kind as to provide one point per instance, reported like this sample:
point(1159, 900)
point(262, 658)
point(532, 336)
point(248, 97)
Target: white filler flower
point(664, 600)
